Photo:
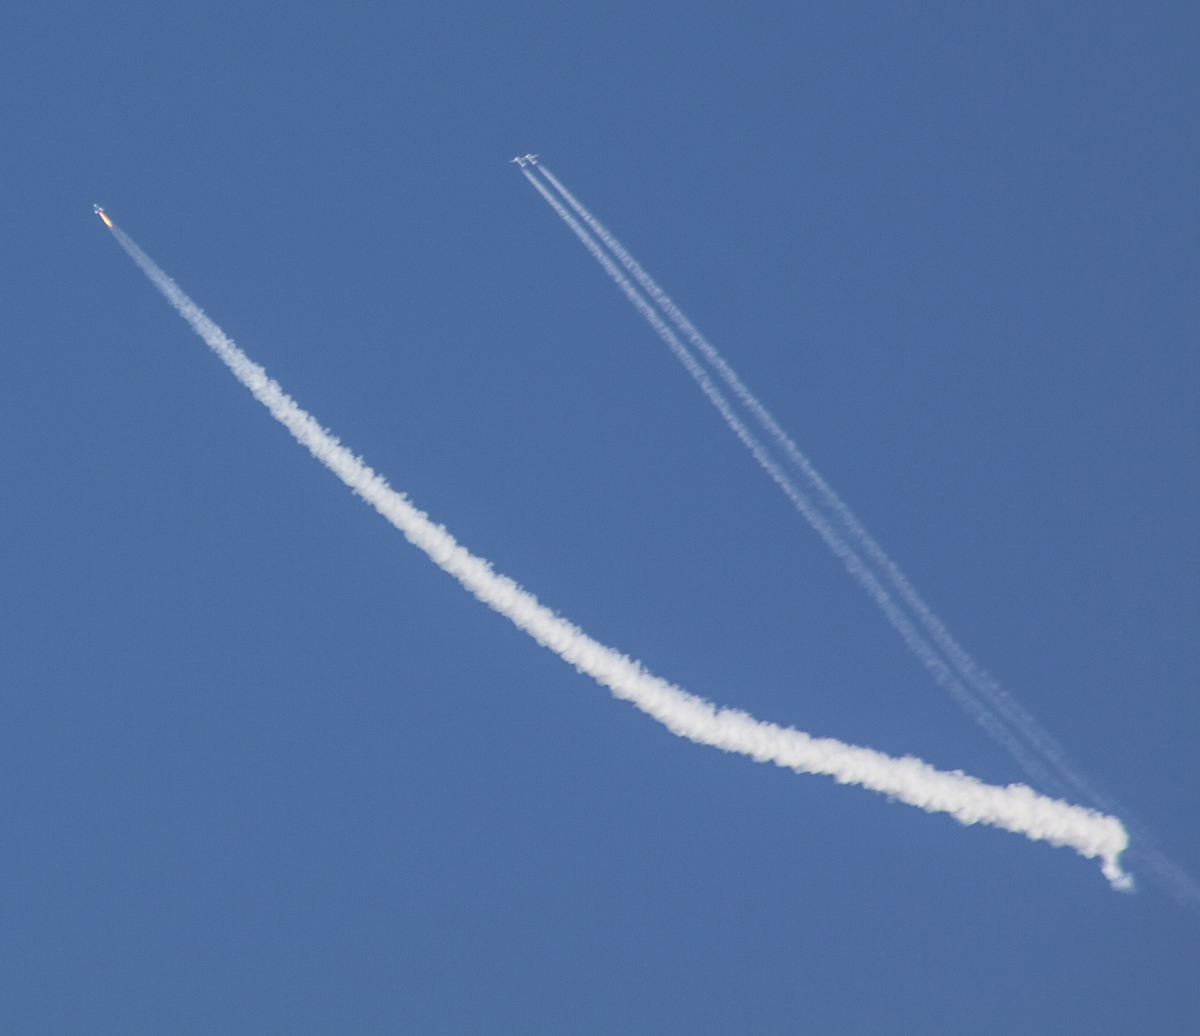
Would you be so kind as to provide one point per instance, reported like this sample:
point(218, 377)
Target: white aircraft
point(532, 159)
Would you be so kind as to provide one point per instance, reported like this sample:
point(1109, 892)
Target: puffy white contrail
point(1014, 808)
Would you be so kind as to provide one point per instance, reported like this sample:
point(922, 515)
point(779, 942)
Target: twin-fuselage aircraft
point(531, 159)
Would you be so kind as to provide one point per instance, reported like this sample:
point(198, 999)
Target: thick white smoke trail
point(1014, 808)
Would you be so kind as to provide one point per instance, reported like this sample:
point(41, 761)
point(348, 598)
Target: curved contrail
point(1014, 808)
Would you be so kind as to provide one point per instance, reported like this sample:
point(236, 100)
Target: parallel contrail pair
point(1014, 808)
point(826, 528)
point(1001, 715)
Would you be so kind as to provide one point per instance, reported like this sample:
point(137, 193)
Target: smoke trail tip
point(1120, 880)
point(101, 213)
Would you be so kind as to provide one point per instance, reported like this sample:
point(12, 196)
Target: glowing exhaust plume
point(1014, 808)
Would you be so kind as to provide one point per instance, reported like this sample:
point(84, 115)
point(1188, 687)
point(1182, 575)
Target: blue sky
point(266, 769)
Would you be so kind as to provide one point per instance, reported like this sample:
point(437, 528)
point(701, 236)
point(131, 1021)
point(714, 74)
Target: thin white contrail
point(861, 573)
point(997, 697)
point(1032, 747)
point(1014, 808)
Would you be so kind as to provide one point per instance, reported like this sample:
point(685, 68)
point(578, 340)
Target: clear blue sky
point(264, 769)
